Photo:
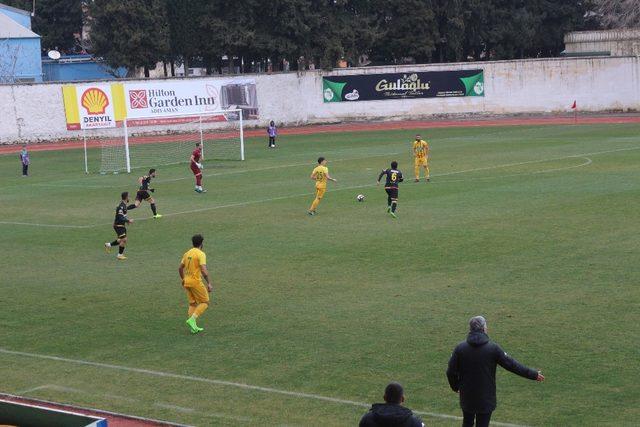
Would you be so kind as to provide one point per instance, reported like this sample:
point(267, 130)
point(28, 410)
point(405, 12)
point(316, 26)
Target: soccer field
point(534, 227)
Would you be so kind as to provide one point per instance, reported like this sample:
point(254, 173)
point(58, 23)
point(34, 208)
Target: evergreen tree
point(449, 16)
point(129, 34)
point(408, 31)
point(56, 21)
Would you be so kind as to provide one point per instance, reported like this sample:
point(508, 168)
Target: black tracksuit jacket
point(390, 415)
point(472, 372)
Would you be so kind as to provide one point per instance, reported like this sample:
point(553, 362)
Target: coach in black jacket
point(472, 373)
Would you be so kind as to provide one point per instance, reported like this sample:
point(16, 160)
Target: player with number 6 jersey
point(393, 178)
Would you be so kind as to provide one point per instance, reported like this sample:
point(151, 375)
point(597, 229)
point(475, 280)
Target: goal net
point(149, 142)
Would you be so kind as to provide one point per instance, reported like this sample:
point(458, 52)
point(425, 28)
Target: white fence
point(35, 111)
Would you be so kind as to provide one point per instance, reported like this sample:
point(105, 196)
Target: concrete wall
point(32, 112)
point(621, 42)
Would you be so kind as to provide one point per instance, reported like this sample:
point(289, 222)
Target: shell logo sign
point(94, 106)
point(94, 100)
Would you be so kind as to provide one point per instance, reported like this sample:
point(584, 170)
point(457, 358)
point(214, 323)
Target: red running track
point(349, 127)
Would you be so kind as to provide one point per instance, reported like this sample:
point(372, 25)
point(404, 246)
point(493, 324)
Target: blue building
point(72, 68)
point(19, 47)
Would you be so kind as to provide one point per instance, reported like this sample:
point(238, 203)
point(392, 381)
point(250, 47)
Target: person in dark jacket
point(391, 413)
point(472, 373)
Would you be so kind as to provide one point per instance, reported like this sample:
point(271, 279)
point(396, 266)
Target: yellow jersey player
point(421, 154)
point(320, 175)
point(193, 268)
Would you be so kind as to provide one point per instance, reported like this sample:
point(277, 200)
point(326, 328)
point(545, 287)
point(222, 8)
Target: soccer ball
point(360, 197)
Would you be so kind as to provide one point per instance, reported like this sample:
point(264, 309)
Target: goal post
point(155, 141)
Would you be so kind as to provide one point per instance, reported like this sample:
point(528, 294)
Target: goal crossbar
point(154, 141)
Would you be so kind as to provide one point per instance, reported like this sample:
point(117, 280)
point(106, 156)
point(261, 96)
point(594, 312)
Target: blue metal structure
point(70, 68)
point(19, 47)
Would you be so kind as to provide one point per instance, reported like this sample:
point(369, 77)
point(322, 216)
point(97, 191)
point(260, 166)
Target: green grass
point(534, 227)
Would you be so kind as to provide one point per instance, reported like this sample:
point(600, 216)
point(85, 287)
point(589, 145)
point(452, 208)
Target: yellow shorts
point(421, 161)
point(320, 192)
point(197, 294)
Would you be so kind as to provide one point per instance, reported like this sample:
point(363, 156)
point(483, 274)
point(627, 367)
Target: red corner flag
point(574, 106)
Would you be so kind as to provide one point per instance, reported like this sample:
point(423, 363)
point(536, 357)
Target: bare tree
point(9, 55)
point(619, 13)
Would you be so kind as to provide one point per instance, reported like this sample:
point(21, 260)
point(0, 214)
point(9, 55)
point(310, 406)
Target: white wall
point(36, 112)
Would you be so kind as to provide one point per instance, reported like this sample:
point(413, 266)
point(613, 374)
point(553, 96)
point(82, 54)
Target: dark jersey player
point(196, 167)
point(120, 227)
point(393, 178)
point(143, 193)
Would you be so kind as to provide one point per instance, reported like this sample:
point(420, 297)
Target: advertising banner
point(90, 106)
point(430, 84)
point(157, 99)
point(157, 102)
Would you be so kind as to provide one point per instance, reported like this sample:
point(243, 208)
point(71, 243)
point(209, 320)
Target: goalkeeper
point(196, 167)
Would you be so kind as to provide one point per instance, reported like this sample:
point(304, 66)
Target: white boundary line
point(252, 202)
point(35, 224)
point(163, 405)
point(129, 399)
point(221, 383)
point(586, 163)
point(82, 409)
point(186, 410)
point(231, 172)
point(463, 138)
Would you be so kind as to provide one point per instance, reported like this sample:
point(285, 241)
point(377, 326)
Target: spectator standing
point(24, 159)
point(391, 413)
point(272, 131)
point(472, 373)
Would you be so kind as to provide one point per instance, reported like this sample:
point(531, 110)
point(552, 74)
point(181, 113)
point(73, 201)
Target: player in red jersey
point(196, 167)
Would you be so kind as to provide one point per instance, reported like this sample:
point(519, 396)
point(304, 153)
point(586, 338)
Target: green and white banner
point(430, 84)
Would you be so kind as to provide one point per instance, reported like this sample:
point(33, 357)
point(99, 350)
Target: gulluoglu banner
point(430, 84)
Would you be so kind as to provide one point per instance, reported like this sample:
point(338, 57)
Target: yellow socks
point(201, 308)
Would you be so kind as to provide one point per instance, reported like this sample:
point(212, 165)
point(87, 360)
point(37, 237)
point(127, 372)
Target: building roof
point(615, 35)
point(14, 9)
point(10, 29)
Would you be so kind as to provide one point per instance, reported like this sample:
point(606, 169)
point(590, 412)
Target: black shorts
point(143, 195)
point(121, 231)
point(392, 192)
